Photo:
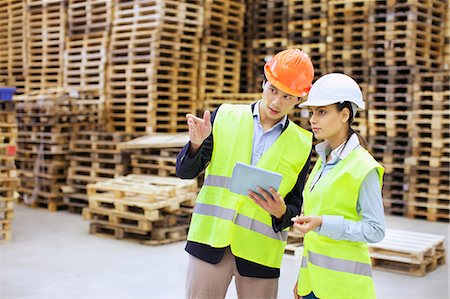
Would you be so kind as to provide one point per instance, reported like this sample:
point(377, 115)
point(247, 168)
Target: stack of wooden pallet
point(89, 24)
point(213, 101)
point(12, 43)
point(269, 31)
point(153, 65)
point(4, 43)
point(308, 31)
point(46, 121)
point(94, 157)
point(294, 244)
point(45, 31)
point(155, 154)
point(8, 177)
point(389, 118)
point(347, 46)
point(307, 25)
point(221, 47)
point(405, 39)
point(408, 252)
point(429, 176)
point(347, 43)
point(446, 62)
point(246, 72)
point(144, 209)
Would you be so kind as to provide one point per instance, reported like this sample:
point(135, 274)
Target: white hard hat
point(335, 88)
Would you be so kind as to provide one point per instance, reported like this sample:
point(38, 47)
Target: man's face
point(276, 103)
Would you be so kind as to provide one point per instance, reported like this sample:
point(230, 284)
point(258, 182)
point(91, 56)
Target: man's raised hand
point(199, 129)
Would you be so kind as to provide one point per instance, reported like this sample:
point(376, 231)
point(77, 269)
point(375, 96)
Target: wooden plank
point(156, 140)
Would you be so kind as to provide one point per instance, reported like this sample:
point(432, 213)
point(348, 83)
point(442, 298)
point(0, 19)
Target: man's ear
point(263, 83)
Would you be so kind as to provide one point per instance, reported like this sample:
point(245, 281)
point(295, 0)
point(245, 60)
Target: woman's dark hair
point(348, 105)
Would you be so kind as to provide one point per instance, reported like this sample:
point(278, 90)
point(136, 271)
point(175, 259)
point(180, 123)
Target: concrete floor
point(52, 255)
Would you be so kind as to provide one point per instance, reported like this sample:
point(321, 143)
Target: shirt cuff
point(332, 226)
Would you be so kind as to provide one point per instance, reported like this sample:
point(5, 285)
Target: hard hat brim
point(319, 103)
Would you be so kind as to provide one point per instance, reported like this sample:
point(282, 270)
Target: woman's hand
point(272, 202)
point(307, 223)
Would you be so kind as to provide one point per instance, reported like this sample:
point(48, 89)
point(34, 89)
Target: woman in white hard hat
point(343, 208)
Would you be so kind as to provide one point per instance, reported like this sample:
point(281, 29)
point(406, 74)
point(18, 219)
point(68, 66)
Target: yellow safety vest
point(222, 218)
point(332, 268)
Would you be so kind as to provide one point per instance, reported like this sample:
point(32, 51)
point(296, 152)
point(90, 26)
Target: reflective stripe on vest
point(336, 264)
point(217, 181)
point(241, 220)
point(304, 262)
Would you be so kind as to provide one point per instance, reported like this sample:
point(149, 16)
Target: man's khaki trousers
point(211, 281)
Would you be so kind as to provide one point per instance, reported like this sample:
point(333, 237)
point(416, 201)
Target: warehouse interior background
point(93, 98)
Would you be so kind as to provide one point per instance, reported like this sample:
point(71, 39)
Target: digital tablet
point(248, 177)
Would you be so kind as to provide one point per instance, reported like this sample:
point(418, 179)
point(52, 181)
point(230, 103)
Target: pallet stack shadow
point(429, 175)
point(94, 157)
point(46, 121)
point(153, 65)
point(8, 175)
point(408, 253)
point(145, 209)
point(406, 38)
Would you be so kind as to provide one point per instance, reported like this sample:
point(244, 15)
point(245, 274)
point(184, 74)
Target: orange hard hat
point(291, 71)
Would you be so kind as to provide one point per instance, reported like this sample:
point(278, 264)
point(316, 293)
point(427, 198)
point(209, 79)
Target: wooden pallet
point(156, 141)
point(89, 16)
point(140, 186)
point(85, 61)
point(155, 164)
point(76, 201)
point(224, 19)
point(50, 202)
point(214, 100)
point(155, 237)
point(45, 58)
point(408, 252)
point(294, 244)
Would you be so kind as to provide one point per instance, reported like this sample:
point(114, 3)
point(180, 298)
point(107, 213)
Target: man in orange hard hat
point(244, 236)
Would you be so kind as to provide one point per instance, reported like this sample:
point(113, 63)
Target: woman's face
point(327, 122)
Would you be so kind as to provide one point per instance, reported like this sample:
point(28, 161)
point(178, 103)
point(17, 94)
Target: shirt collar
point(283, 122)
point(323, 148)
